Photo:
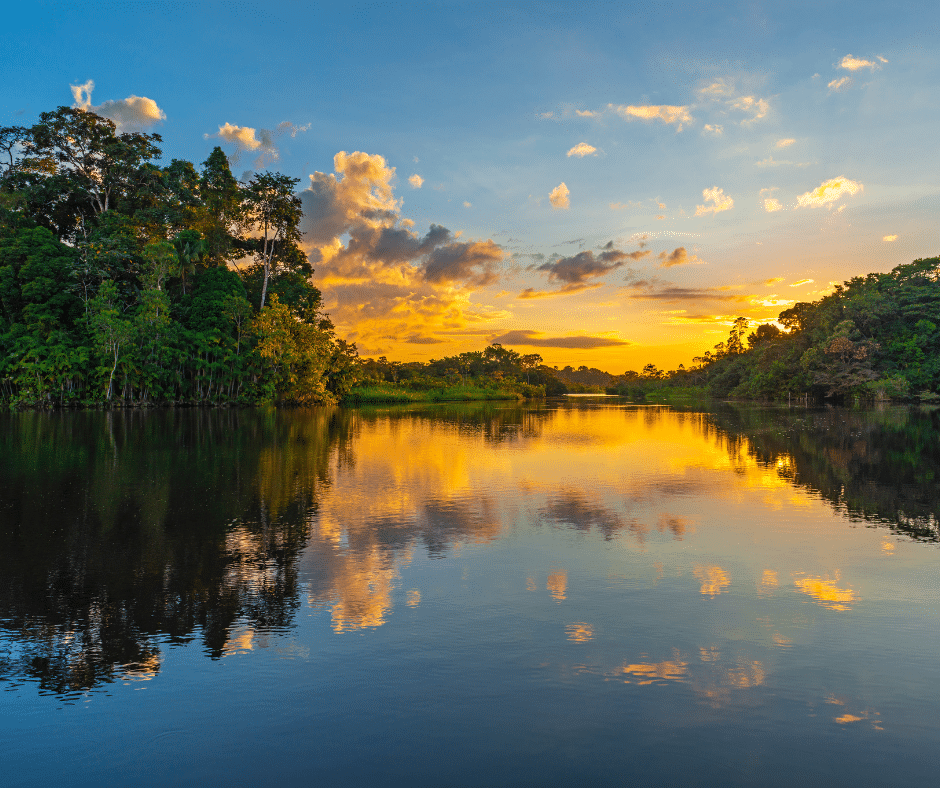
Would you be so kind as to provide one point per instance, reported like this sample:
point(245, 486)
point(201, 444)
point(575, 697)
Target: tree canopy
point(125, 282)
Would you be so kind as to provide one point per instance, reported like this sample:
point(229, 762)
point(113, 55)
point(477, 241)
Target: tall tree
point(221, 213)
point(272, 214)
point(90, 159)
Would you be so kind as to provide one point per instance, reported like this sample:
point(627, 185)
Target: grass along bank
point(391, 393)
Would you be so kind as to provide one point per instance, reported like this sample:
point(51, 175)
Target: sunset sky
point(603, 184)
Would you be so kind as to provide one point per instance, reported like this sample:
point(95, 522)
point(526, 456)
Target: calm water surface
point(588, 592)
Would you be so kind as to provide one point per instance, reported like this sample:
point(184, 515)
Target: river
point(577, 592)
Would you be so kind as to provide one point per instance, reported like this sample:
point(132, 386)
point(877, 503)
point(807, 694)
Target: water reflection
point(124, 533)
point(877, 466)
point(122, 530)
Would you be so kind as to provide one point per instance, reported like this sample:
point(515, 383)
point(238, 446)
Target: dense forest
point(875, 337)
point(125, 282)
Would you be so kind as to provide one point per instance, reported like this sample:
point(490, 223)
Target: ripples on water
point(588, 592)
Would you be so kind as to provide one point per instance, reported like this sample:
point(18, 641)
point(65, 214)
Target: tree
point(189, 247)
point(272, 214)
point(86, 160)
point(530, 362)
point(735, 345)
point(795, 318)
point(12, 139)
point(764, 333)
point(110, 331)
point(221, 211)
point(162, 257)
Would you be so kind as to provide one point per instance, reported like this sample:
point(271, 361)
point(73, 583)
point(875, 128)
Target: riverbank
point(391, 394)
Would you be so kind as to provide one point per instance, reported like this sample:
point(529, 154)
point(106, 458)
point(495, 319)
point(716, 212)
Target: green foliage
point(115, 278)
point(492, 373)
point(875, 337)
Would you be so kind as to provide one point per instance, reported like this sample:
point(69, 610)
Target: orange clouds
point(720, 202)
point(828, 192)
point(260, 141)
point(850, 63)
point(678, 257)
point(582, 149)
point(381, 281)
point(839, 84)
point(559, 197)
point(539, 339)
point(664, 112)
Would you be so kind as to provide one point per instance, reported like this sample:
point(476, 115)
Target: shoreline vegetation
point(128, 284)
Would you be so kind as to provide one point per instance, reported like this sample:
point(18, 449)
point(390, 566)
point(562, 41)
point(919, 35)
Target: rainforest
point(126, 283)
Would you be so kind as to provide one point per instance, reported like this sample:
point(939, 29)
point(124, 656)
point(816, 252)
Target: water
point(588, 592)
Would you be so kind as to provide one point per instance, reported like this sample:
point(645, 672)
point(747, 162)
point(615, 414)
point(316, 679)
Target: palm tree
point(189, 246)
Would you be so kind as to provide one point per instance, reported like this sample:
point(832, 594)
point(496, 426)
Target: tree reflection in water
point(119, 530)
point(880, 466)
point(122, 532)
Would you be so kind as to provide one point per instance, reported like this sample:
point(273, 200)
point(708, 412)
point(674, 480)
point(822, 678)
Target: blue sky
point(776, 143)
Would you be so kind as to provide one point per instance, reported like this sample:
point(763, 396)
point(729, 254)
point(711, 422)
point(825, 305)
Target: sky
point(606, 185)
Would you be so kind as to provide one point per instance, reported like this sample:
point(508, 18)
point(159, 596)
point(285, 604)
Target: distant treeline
point(874, 338)
point(494, 368)
point(123, 282)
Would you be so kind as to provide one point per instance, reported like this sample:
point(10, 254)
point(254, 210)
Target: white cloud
point(416, 181)
point(850, 63)
point(770, 161)
point(667, 113)
point(720, 202)
point(467, 204)
point(828, 192)
point(889, 238)
point(246, 139)
point(82, 94)
point(582, 149)
point(758, 107)
point(716, 129)
point(586, 113)
point(771, 205)
point(243, 137)
point(135, 113)
point(559, 197)
point(287, 126)
point(717, 88)
point(839, 84)
point(785, 143)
